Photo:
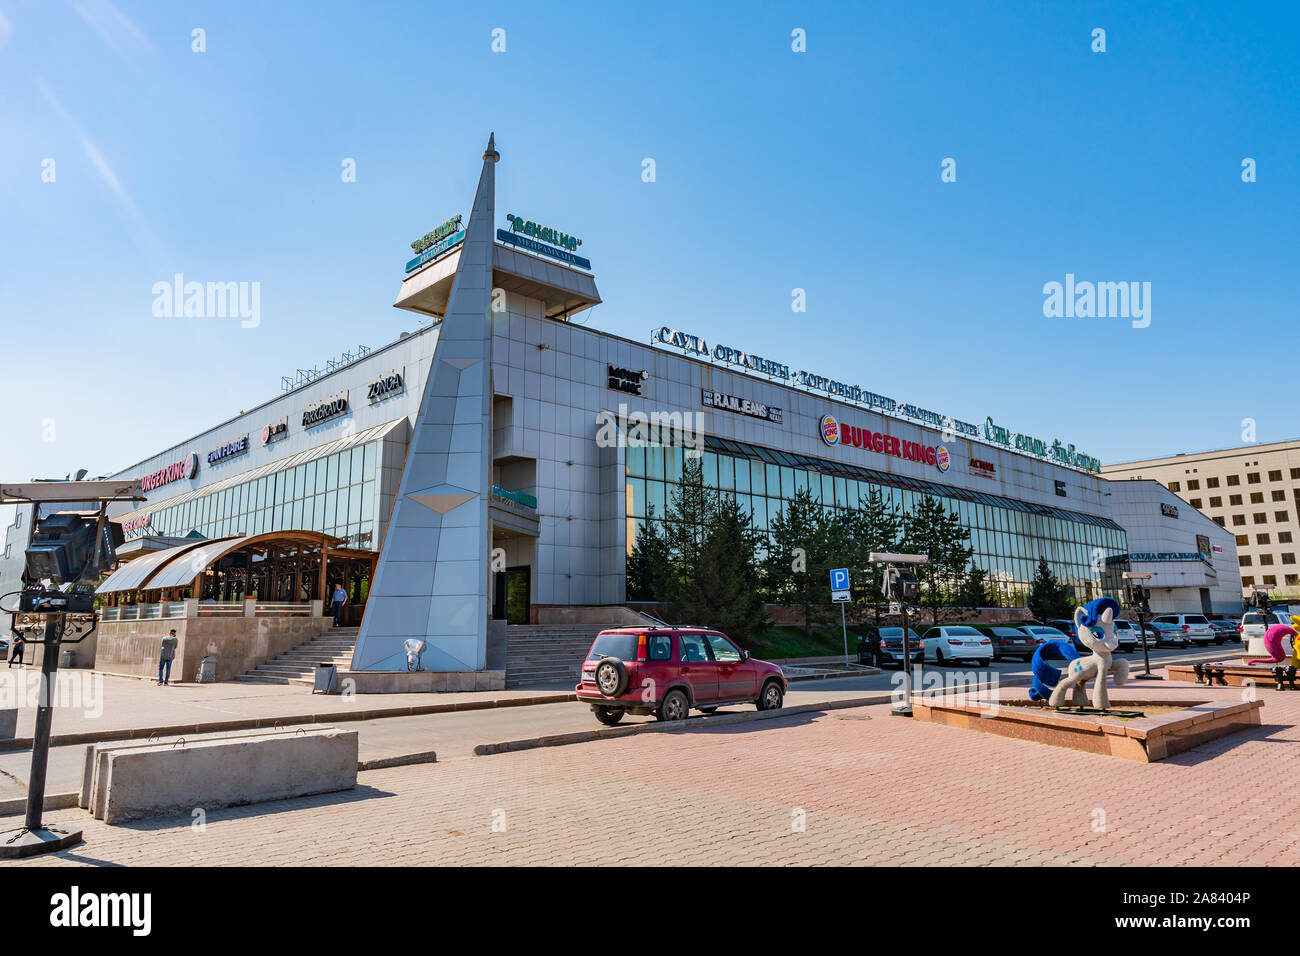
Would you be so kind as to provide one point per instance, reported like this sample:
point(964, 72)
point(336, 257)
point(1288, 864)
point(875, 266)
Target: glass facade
point(1008, 535)
point(333, 493)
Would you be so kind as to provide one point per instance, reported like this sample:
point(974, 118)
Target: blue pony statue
point(1095, 625)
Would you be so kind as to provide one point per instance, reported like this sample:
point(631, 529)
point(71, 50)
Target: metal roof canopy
point(132, 575)
point(184, 568)
point(373, 433)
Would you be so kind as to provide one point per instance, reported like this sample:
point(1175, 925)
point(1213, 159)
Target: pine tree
point(1049, 597)
point(648, 565)
point(730, 587)
point(798, 568)
point(875, 526)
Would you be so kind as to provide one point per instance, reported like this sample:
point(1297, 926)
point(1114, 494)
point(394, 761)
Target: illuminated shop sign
point(743, 406)
point(532, 245)
point(187, 467)
point(522, 498)
point(434, 251)
point(448, 228)
point(627, 379)
point(386, 386)
point(274, 431)
point(764, 365)
point(137, 525)
point(543, 233)
point(836, 433)
point(981, 467)
point(325, 410)
point(229, 450)
point(1056, 451)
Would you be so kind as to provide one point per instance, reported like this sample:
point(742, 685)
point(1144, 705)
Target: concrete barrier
point(151, 780)
point(94, 774)
point(8, 723)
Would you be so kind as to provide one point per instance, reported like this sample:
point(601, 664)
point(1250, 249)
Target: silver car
point(1195, 626)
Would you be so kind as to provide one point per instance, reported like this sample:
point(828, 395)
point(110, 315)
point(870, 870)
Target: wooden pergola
point(276, 567)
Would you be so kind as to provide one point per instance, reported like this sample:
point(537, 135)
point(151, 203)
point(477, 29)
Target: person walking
point(339, 599)
point(16, 651)
point(165, 657)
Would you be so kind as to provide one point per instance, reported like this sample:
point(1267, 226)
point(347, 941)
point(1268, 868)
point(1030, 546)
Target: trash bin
point(208, 670)
point(326, 678)
point(65, 658)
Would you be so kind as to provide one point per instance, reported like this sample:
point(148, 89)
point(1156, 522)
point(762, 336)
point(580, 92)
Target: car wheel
point(938, 656)
point(1218, 641)
point(771, 697)
point(611, 676)
point(609, 715)
point(674, 706)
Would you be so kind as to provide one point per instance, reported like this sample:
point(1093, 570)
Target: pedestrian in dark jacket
point(165, 657)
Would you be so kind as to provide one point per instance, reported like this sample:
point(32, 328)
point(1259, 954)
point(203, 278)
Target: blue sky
point(775, 170)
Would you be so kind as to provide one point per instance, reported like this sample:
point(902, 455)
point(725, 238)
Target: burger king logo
point(830, 430)
point(941, 459)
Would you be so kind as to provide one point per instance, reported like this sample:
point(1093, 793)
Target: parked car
point(1066, 626)
point(1253, 627)
point(1164, 633)
point(1195, 626)
point(667, 671)
point(949, 643)
point(883, 647)
point(1224, 630)
point(1008, 641)
point(1127, 634)
point(1043, 633)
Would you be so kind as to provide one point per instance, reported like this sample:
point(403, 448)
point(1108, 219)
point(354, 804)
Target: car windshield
point(1048, 631)
point(896, 634)
point(1006, 632)
point(1123, 626)
point(622, 646)
point(963, 632)
point(1253, 619)
point(1195, 619)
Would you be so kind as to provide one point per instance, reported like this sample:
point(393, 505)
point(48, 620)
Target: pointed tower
point(432, 579)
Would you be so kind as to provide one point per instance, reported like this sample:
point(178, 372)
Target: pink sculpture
point(1273, 644)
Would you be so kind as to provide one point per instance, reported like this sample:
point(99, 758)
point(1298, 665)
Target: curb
point(253, 723)
point(676, 727)
point(53, 801)
point(699, 723)
point(400, 760)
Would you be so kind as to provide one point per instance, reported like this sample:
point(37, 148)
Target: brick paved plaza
point(869, 788)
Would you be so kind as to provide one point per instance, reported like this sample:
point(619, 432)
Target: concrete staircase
point(546, 654)
point(298, 666)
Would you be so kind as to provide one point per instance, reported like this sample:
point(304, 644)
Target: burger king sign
point(834, 433)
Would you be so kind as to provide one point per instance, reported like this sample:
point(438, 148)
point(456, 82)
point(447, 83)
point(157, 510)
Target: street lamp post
point(1138, 597)
point(67, 553)
point(900, 586)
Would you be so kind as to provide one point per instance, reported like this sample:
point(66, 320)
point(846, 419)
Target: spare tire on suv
point(611, 676)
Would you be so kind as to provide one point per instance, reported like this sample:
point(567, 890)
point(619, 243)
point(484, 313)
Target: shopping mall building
point(503, 456)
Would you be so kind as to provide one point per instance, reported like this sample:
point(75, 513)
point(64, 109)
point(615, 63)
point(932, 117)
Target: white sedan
point(956, 642)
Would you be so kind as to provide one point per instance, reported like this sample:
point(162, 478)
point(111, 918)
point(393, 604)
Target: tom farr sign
point(1056, 451)
point(727, 355)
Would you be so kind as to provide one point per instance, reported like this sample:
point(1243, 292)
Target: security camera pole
point(900, 586)
point(64, 596)
point(1138, 597)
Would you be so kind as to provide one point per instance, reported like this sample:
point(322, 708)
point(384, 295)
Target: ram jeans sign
point(742, 406)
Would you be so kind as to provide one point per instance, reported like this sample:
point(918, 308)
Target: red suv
point(667, 671)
